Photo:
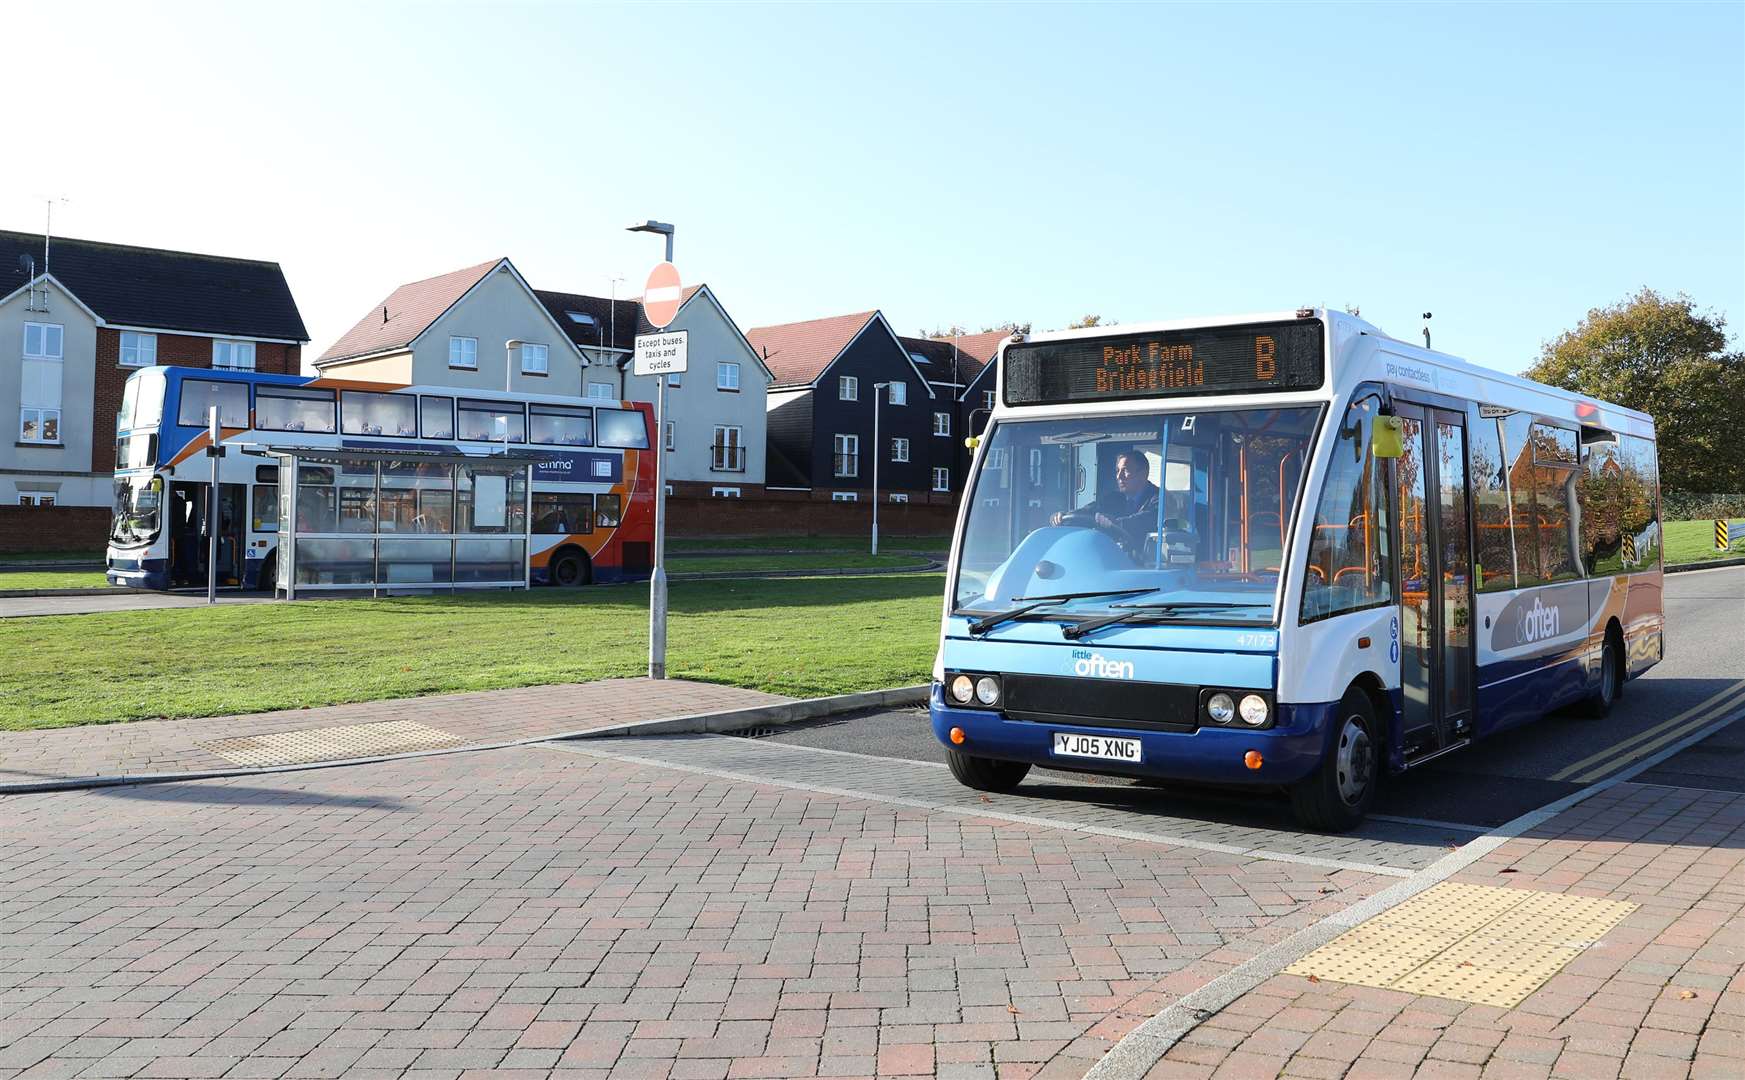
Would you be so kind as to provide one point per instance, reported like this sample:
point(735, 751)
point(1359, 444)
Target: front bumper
point(1290, 750)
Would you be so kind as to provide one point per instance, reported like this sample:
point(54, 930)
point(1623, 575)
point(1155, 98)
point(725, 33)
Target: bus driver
point(1129, 513)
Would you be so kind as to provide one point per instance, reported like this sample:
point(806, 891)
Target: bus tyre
point(1336, 796)
point(569, 570)
point(986, 774)
point(1611, 686)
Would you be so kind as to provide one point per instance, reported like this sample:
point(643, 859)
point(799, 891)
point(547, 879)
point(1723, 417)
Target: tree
point(1085, 322)
point(1662, 356)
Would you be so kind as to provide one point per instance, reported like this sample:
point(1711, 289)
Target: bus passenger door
point(1436, 656)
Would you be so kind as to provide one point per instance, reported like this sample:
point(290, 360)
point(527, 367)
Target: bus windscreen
point(1172, 363)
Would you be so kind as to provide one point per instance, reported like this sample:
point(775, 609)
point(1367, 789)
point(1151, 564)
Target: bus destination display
point(1174, 363)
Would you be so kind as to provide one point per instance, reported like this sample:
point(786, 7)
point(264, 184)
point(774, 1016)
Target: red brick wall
point(110, 378)
point(53, 528)
point(803, 516)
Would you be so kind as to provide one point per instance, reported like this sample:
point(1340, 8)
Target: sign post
point(214, 451)
point(660, 355)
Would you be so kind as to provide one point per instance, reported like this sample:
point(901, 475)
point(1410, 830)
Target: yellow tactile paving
point(1474, 943)
point(331, 744)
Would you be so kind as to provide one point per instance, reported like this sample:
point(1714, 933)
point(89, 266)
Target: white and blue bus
point(592, 502)
point(1285, 551)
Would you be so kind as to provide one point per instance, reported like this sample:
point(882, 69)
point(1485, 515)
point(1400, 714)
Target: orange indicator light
point(957, 736)
point(1252, 759)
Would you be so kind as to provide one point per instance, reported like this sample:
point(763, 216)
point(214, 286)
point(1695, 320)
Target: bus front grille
point(1101, 702)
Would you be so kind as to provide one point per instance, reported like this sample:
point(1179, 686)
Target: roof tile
point(162, 290)
point(407, 312)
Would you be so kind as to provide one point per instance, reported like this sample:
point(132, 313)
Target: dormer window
point(582, 318)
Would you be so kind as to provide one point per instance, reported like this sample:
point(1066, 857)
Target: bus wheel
point(269, 573)
point(1611, 687)
point(1336, 796)
point(569, 570)
point(986, 774)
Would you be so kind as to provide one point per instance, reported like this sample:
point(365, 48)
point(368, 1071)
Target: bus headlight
point(988, 690)
point(962, 689)
point(1253, 710)
point(1221, 708)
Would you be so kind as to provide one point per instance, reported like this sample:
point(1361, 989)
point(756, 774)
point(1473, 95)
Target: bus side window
point(1350, 558)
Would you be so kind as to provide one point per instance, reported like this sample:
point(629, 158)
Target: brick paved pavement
point(481, 717)
point(1662, 996)
point(529, 909)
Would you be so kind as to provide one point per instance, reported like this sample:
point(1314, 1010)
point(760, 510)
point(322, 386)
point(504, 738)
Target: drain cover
point(1467, 942)
point(331, 744)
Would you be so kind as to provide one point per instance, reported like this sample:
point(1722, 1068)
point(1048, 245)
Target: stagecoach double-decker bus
point(1286, 551)
point(592, 501)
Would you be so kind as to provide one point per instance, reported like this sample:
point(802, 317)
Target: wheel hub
point(1353, 760)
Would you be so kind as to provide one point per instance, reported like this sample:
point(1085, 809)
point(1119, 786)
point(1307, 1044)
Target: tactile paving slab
point(331, 743)
point(1478, 943)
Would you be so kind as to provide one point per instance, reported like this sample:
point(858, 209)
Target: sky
point(1506, 167)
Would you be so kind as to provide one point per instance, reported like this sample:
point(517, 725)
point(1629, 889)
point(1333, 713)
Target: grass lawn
point(678, 546)
point(800, 636)
point(52, 579)
point(1694, 541)
point(819, 560)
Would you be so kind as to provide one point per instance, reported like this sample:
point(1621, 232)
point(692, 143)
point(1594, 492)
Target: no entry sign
point(662, 294)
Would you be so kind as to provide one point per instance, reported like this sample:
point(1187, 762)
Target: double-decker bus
point(592, 502)
point(1285, 550)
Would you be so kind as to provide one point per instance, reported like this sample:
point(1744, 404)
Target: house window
point(138, 350)
point(535, 360)
point(988, 400)
point(233, 355)
point(43, 341)
point(899, 449)
point(897, 393)
point(942, 423)
point(726, 376)
point(669, 436)
point(675, 379)
point(724, 493)
point(941, 479)
point(728, 452)
point(599, 391)
point(848, 388)
point(39, 397)
point(899, 496)
point(36, 499)
point(848, 455)
point(844, 496)
point(463, 352)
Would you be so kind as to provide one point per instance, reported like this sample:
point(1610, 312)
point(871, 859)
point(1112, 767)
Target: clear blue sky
point(1505, 166)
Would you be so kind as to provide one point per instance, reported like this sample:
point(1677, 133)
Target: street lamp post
point(879, 391)
point(657, 579)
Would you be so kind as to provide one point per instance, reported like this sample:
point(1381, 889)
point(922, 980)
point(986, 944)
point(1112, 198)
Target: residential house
point(821, 412)
point(480, 328)
point(74, 323)
point(960, 370)
point(714, 411)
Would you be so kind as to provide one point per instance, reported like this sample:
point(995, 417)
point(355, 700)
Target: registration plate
point(1096, 746)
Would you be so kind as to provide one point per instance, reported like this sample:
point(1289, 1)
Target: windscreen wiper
point(988, 622)
point(1133, 611)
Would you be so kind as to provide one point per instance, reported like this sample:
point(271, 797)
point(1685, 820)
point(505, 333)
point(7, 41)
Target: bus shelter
point(401, 520)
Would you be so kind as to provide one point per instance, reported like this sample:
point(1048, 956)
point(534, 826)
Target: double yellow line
point(1644, 743)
